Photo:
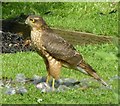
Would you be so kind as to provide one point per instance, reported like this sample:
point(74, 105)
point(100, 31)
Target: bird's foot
point(47, 79)
point(53, 84)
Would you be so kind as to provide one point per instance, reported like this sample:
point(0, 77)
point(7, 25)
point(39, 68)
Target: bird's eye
point(32, 20)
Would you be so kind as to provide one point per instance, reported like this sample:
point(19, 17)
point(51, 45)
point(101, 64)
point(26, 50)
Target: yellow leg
point(47, 79)
point(53, 83)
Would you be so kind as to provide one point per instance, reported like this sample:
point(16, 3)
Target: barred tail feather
point(87, 69)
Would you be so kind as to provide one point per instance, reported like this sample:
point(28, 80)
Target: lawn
point(101, 57)
point(98, 18)
point(88, 17)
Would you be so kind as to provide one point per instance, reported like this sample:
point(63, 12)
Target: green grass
point(80, 16)
point(101, 57)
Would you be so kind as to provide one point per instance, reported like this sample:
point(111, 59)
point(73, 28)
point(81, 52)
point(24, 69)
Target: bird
point(56, 51)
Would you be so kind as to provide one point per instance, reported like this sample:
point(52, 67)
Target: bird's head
point(36, 22)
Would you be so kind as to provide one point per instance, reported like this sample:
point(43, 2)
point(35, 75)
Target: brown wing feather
point(60, 49)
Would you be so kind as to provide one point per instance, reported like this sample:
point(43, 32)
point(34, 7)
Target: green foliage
point(82, 16)
point(101, 57)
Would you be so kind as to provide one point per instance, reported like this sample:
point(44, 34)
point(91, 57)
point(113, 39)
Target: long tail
point(87, 69)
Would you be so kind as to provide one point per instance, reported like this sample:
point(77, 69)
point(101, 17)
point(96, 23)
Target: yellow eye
point(32, 20)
